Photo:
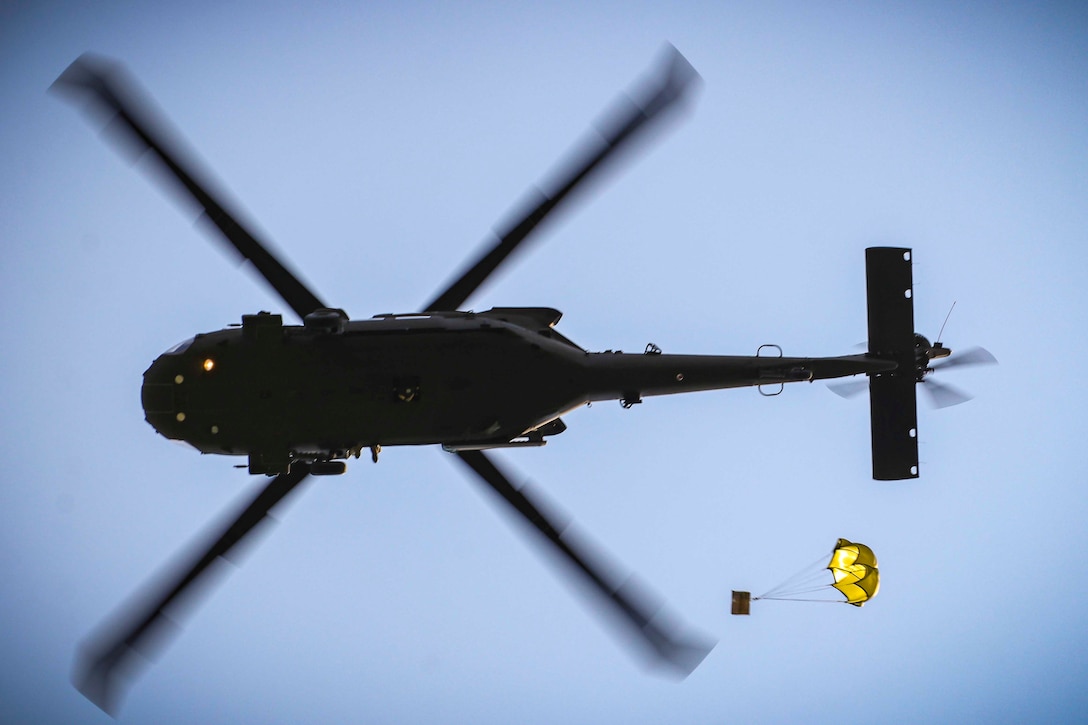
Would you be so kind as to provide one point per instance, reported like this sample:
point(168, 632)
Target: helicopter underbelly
point(303, 393)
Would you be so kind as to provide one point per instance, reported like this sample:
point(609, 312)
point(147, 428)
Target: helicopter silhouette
point(300, 400)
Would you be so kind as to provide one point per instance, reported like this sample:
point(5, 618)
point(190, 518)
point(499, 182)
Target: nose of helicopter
point(160, 396)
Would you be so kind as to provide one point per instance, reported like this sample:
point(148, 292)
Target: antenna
point(939, 334)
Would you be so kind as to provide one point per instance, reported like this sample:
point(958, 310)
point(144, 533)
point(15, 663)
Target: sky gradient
point(376, 146)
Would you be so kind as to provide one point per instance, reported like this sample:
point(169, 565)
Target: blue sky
point(377, 146)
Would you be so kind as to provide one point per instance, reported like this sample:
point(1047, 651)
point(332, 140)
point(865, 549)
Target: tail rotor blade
point(849, 388)
point(636, 609)
point(942, 395)
point(969, 357)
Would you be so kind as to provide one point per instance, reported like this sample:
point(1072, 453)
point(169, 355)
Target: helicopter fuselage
point(461, 379)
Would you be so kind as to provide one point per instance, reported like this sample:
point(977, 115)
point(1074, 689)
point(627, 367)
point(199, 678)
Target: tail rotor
point(940, 394)
point(932, 358)
point(892, 396)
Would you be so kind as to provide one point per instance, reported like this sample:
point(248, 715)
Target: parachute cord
point(798, 588)
point(804, 579)
point(801, 579)
point(793, 599)
point(794, 593)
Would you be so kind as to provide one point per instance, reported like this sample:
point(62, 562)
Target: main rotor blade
point(673, 79)
point(635, 609)
point(143, 627)
point(111, 89)
point(970, 356)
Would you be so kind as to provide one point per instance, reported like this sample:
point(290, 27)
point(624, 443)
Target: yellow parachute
point(854, 574)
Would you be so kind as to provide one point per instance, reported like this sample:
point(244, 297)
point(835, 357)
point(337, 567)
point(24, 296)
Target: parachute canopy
point(854, 568)
point(853, 573)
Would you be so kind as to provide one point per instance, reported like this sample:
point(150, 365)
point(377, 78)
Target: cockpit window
point(180, 347)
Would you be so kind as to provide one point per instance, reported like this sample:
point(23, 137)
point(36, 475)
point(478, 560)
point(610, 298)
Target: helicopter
point(301, 400)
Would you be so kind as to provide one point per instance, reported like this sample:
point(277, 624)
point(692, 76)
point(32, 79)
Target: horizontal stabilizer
point(888, 283)
point(894, 422)
point(892, 398)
